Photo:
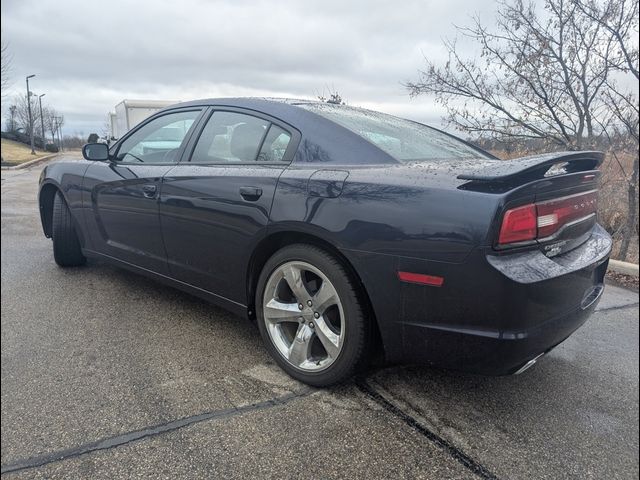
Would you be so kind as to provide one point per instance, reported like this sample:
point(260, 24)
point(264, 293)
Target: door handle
point(149, 191)
point(251, 194)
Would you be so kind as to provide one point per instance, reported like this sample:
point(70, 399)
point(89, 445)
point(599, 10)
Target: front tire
point(66, 246)
point(310, 316)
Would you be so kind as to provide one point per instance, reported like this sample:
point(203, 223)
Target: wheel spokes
point(301, 346)
point(293, 277)
point(325, 297)
point(330, 341)
point(304, 316)
point(277, 312)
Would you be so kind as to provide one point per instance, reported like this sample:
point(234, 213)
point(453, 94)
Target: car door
point(214, 207)
point(121, 195)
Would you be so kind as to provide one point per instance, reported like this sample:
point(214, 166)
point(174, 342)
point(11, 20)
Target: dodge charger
point(343, 233)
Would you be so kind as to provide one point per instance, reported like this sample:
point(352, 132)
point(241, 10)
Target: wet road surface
point(106, 374)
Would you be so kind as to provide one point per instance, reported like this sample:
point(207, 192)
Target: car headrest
point(245, 140)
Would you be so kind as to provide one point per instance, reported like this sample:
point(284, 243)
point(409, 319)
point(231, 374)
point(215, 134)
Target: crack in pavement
point(453, 451)
point(617, 307)
point(151, 431)
point(136, 435)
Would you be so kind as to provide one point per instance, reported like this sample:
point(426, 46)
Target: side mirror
point(97, 152)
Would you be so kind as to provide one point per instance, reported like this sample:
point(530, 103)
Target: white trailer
point(113, 124)
point(130, 113)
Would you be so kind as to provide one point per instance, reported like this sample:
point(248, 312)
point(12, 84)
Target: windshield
point(402, 139)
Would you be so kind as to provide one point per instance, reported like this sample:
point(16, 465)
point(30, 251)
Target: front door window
point(159, 140)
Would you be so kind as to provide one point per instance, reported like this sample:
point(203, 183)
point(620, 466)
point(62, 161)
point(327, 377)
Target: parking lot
point(106, 374)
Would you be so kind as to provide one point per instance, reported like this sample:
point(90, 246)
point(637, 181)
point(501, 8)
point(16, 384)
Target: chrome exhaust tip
point(529, 364)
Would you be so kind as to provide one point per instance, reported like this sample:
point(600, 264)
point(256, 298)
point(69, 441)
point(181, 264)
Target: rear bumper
point(499, 352)
point(492, 314)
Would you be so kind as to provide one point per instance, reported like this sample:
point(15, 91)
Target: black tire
point(354, 353)
point(66, 246)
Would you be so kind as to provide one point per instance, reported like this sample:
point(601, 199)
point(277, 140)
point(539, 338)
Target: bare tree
point(10, 121)
point(549, 74)
point(50, 126)
point(53, 121)
point(77, 140)
point(620, 20)
point(106, 128)
point(539, 76)
point(22, 113)
point(5, 67)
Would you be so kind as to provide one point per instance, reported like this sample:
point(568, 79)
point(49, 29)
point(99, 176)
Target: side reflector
point(421, 279)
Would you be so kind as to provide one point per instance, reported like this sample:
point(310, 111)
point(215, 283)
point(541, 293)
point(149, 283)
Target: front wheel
point(310, 315)
point(66, 246)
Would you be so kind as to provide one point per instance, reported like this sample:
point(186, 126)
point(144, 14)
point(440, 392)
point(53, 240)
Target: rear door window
point(233, 137)
point(275, 145)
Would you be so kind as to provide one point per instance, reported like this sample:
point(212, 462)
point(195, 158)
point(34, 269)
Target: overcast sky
point(90, 55)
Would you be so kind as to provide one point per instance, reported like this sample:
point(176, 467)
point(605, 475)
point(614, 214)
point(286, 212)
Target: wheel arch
point(45, 201)
point(46, 197)
point(277, 240)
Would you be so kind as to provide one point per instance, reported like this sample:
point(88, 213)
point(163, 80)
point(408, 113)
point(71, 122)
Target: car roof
point(286, 109)
point(248, 101)
point(322, 139)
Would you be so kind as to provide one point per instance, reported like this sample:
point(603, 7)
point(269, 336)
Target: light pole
point(33, 152)
point(42, 120)
point(55, 129)
point(59, 127)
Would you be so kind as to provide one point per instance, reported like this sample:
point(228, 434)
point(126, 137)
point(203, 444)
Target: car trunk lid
point(549, 201)
point(525, 169)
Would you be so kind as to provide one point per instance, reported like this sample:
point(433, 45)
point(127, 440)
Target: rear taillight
point(519, 225)
point(554, 214)
point(543, 219)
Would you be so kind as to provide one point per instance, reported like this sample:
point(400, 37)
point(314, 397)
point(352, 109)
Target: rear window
point(402, 139)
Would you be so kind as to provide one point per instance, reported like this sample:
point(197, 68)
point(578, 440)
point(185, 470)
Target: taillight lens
point(519, 225)
point(554, 214)
point(543, 219)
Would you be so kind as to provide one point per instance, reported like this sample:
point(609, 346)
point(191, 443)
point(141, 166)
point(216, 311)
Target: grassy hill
point(14, 153)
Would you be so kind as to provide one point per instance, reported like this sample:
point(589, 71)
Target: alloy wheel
point(303, 316)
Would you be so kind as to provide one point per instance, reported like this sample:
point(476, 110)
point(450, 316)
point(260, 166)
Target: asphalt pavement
point(106, 374)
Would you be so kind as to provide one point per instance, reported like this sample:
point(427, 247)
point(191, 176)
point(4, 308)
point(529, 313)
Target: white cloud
point(88, 56)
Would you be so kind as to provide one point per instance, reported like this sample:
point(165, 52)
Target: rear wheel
point(310, 316)
point(66, 246)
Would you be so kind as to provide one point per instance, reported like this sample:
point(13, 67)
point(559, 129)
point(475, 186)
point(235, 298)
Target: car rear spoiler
point(535, 166)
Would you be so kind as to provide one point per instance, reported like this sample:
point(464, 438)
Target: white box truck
point(113, 124)
point(129, 113)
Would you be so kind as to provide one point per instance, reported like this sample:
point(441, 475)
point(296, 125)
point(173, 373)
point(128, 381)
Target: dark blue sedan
point(344, 233)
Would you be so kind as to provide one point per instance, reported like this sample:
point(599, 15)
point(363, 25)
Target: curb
point(31, 163)
point(623, 267)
